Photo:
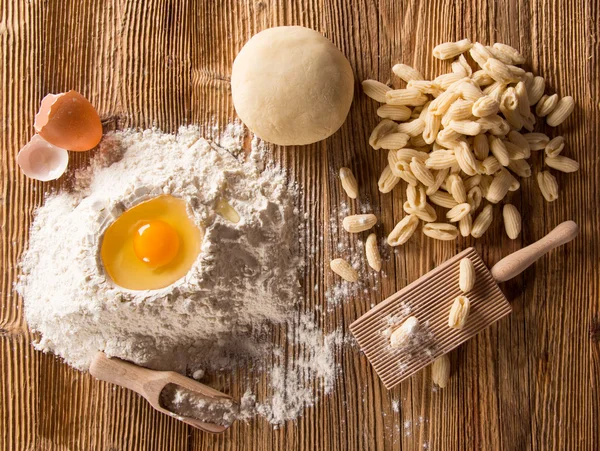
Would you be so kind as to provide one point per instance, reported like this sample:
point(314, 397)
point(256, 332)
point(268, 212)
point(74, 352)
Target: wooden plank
point(530, 382)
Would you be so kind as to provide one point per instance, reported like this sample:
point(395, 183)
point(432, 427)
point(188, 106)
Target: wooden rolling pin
point(517, 262)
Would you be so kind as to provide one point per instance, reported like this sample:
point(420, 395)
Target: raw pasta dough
point(292, 86)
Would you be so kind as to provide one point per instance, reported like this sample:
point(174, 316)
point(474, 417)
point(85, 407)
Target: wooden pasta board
point(429, 299)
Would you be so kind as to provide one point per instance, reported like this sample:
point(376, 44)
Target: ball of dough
point(292, 86)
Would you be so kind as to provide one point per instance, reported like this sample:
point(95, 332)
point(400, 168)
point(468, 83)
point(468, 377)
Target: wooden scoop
point(430, 298)
point(150, 384)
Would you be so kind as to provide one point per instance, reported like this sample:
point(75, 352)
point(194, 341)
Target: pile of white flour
point(244, 280)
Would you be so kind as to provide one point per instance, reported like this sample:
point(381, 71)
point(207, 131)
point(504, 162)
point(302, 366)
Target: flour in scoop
point(225, 313)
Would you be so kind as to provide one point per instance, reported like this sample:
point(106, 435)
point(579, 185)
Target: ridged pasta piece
point(412, 128)
point(418, 141)
point(396, 163)
point(509, 54)
point(395, 140)
point(446, 80)
point(548, 186)
point(408, 154)
point(394, 112)
point(403, 230)
point(349, 183)
point(474, 197)
point(387, 180)
point(513, 117)
point(499, 151)
point(372, 252)
point(466, 275)
point(482, 222)
point(485, 106)
point(385, 127)
point(546, 105)
point(512, 221)
point(482, 78)
point(535, 91)
point(461, 66)
point(494, 124)
point(515, 152)
point(465, 225)
point(343, 269)
point(469, 128)
point(359, 223)
point(440, 159)
point(520, 167)
point(469, 91)
point(555, 146)
point(561, 163)
point(472, 181)
point(449, 50)
point(409, 177)
point(563, 109)
point(375, 90)
point(484, 184)
point(480, 54)
point(458, 212)
point(442, 103)
point(407, 73)
point(465, 158)
point(459, 312)
point(416, 197)
point(456, 188)
point(443, 199)
point(422, 172)
point(432, 127)
point(426, 87)
point(499, 186)
point(522, 99)
point(440, 231)
point(519, 140)
point(491, 165)
point(481, 147)
point(460, 110)
point(410, 97)
point(426, 214)
point(499, 71)
point(448, 138)
point(440, 177)
point(537, 141)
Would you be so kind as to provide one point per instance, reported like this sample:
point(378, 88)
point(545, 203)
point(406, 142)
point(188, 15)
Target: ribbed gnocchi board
point(429, 299)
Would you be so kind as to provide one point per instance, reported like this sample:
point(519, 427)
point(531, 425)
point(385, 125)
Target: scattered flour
point(341, 291)
point(221, 315)
point(187, 403)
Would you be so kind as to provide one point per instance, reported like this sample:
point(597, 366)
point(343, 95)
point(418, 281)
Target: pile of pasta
point(462, 140)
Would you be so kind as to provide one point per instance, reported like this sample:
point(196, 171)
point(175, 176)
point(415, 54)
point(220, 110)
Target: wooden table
point(529, 382)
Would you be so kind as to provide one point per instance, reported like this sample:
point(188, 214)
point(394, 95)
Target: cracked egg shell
point(69, 120)
point(43, 161)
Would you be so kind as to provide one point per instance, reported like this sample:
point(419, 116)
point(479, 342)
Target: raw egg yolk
point(156, 243)
point(151, 245)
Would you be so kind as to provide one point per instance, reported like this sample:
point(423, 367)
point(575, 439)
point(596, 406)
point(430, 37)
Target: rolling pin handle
point(517, 262)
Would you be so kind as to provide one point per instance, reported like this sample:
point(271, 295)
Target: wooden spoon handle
point(120, 372)
point(517, 262)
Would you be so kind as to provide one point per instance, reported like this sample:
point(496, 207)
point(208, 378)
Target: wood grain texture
point(531, 382)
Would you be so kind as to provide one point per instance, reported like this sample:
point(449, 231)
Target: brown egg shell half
point(69, 121)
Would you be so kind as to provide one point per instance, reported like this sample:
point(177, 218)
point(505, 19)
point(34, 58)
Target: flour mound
point(236, 314)
point(244, 279)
